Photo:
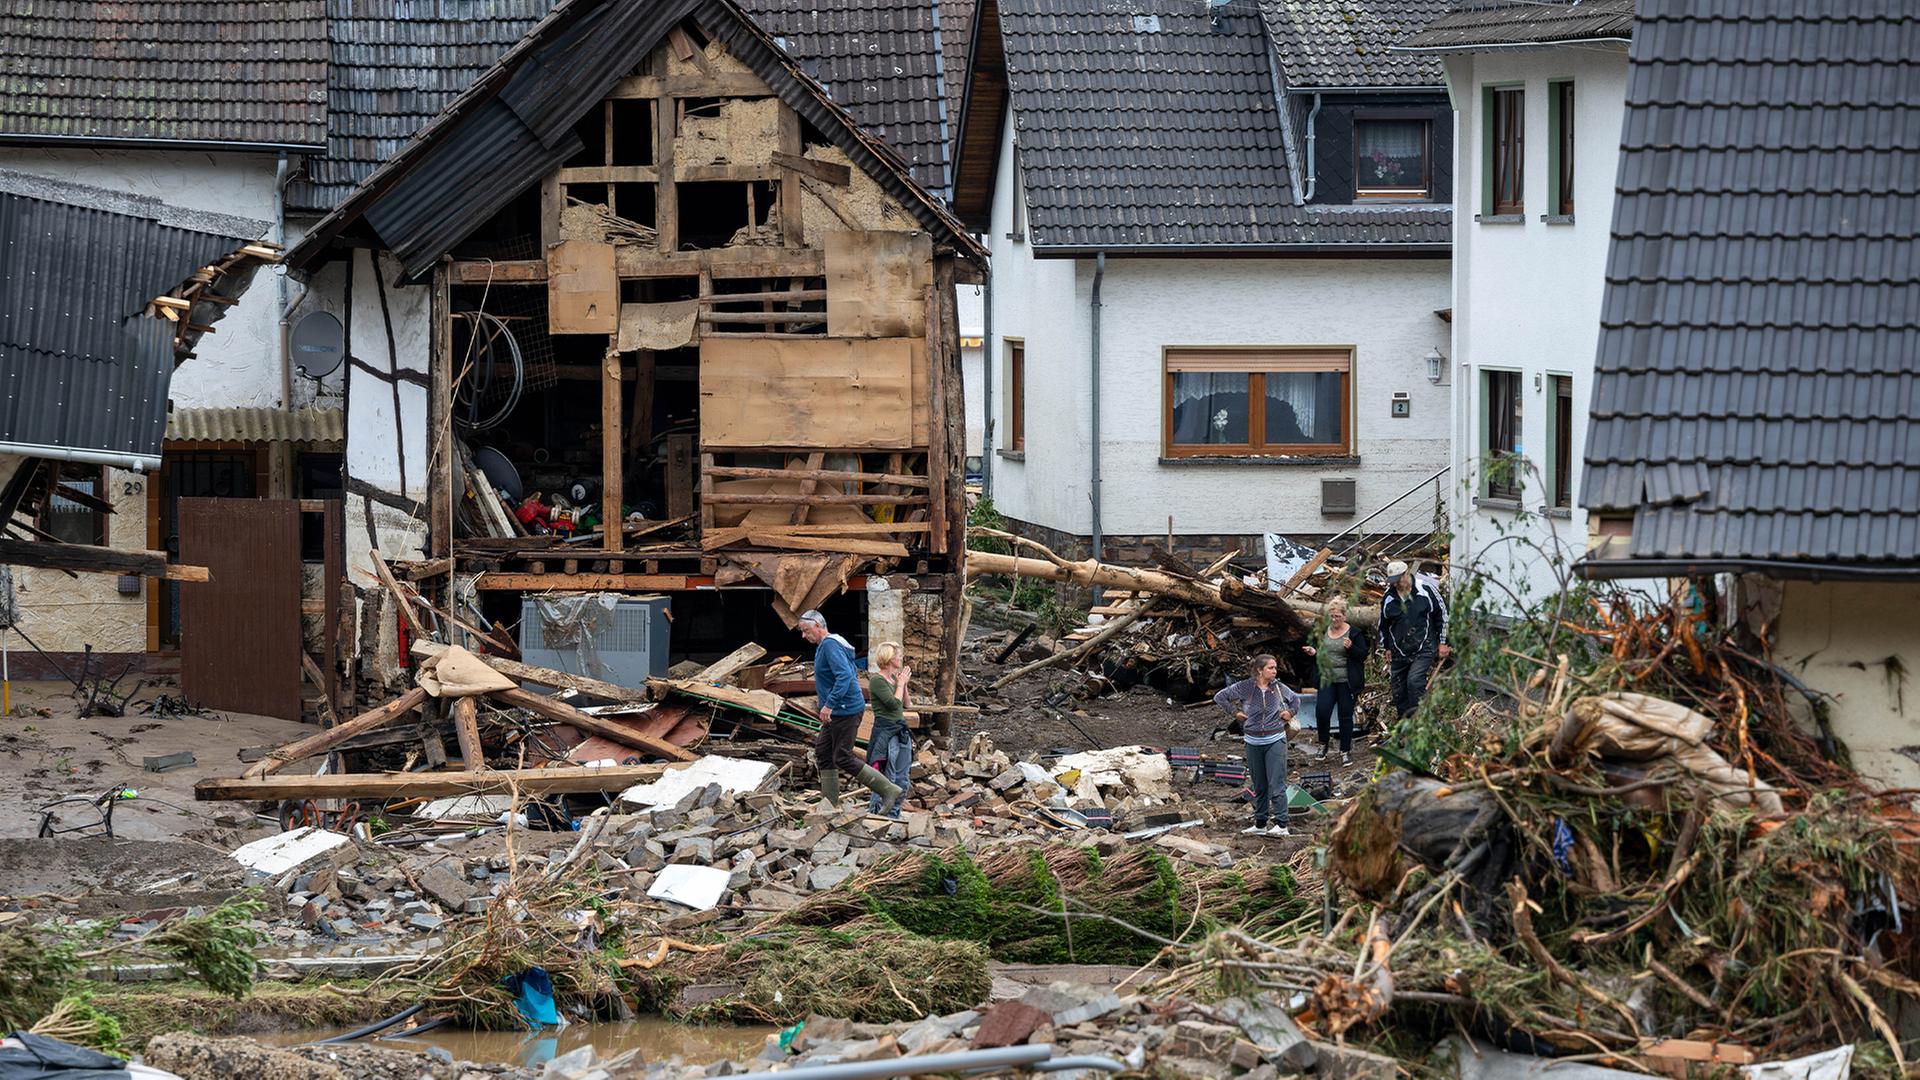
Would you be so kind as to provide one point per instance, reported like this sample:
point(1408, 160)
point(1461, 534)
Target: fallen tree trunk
point(433, 785)
point(1103, 575)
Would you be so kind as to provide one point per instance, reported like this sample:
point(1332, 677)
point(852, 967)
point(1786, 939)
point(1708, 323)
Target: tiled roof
point(1757, 390)
point(956, 30)
point(1476, 24)
point(1160, 128)
point(880, 59)
point(397, 63)
point(1328, 43)
point(195, 71)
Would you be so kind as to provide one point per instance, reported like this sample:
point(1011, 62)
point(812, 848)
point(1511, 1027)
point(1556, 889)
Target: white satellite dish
point(318, 344)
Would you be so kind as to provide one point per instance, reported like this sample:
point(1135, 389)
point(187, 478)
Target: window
point(1017, 396)
point(1506, 150)
point(1560, 119)
point(1232, 402)
point(73, 511)
point(1500, 420)
point(1562, 481)
point(1390, 157)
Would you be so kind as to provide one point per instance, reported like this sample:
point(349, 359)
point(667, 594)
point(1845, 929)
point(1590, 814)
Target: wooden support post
point(466, 729)
point(814, 462)
point(612, 478)
point(937, 430)
point(666, 199)
point(792, 229)
point(680, 480)
point(440, 422)
point(640, 419)
point(333, 575)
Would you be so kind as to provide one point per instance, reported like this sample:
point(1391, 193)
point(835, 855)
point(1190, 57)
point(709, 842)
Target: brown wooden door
point(240, 632)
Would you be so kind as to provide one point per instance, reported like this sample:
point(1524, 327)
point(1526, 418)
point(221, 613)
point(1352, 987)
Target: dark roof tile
point(1476, 24)
point(1345, 43)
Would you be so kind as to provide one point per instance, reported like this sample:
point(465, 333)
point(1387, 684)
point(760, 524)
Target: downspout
point(1099, 272)
point(987, 356)
point(281, 173)
point(1313, 173)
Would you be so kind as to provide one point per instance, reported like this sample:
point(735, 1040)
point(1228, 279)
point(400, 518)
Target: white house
point(1219, 270)
point(1540, 90)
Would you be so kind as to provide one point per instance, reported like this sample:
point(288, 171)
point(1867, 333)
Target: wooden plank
point(636, 262)
point(666, 198)
point(680, 476)
point(540, 676)
point(583, 290)
point(763, 318)
point(1306, 571)
point(339, 733)
point(937, 464)
point(830, 498)
point(724, 668)
point(824, 171)
point(466, 729)
point(563, 713)
point(828, 543)
point(735, 534)
point(86, 558)
point(824, 394)
point(504, 272)
point(613, 483)
point(610, 174)
point(440, 409)
point(777, 294)
point(509, 582)
point(555, 781)
point(808, 486)
point(877, 283)
point(833, 475)
point(736, 174)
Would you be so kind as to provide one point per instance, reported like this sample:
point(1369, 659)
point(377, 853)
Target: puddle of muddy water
point(657, 1038)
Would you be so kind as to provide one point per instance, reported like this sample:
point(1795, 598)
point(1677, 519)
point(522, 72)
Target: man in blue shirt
point(836, 684)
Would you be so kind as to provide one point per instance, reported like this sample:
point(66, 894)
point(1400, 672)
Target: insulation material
point(833, 394)
point(734, 775)
point(594, 223)
point(583, 289)
point(862, 204)
point(458, 673)
point(738, 132)
point(658, 326)
point(697, 887)
point(877, 283)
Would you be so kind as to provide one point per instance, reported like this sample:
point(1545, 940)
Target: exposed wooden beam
point(830, 499)
point(326, 740)
point(86, 558)
point(831, 475)
point(824, 171)
point(588, 582)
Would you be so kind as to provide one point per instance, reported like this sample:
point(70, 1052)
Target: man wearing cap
point(1413, 627)
point(836, 684)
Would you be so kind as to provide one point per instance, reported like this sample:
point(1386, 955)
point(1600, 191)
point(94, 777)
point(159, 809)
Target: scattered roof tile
point(1757, 386)
point(189, 71)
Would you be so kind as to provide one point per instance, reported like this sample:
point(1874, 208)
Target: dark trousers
point(833, 747)
point(1267, 774)
point(1337, 698)
point(1409, 680)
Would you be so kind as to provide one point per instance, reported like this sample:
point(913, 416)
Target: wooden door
point(240, 632)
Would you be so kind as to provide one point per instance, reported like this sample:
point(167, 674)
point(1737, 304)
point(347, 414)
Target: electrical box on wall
point(1402, 405)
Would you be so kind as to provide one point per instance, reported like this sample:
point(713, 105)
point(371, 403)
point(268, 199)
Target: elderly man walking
point(1413, 627)
point(836, 683)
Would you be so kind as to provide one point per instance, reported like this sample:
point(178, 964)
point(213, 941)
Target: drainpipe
point(1313, 174)
point(281, 173)
point(988, 354)
point(1099, 272)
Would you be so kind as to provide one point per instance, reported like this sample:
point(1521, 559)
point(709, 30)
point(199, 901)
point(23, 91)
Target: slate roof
point(1477, 24)
point(180, 71)
point(1344, 43)
point(397, 63)
point(1757, 389)
point(956, 32)
point(881, 60)
point(1163, 130)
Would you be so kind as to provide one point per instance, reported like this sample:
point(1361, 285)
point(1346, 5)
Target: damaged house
point(664, 323)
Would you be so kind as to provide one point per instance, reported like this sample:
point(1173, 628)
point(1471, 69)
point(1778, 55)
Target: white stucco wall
point(67, 614)
point(1527, 297)
point(970, 306)
point(239, 363)
point(1383, 308)
point(1854, 640)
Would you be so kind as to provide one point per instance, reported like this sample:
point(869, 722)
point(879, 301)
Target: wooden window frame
point(1560, 443)
point(1016, 395)
point(101, 519)
point(1511, 491)
point(1560, 150)
point(1401, 194)
point(1494, 158)
point(1257, 446)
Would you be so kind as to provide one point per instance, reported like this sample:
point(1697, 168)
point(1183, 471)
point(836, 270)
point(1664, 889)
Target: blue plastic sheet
point(533, 994)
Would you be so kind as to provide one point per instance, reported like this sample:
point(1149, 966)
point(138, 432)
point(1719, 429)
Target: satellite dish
point(318, 344)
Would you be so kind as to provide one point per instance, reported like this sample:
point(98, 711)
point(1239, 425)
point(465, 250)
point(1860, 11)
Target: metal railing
point(1405, 523)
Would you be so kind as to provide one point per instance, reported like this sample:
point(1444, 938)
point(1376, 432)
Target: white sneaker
point(1254, 830)
point(1278, 830)
point(1346, 759)
point(1317, 752)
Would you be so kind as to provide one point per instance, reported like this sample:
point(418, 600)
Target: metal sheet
point(240, 632)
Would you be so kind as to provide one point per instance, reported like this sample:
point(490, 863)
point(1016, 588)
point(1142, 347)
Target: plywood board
point(583, 290)
point(828, 393)
point(877, 283)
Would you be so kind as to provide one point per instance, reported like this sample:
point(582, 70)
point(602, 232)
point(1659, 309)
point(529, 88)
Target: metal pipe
point(105, 143)
point(988, 357)
point(128, 461)
point(1093, 492)
point(1313, 174)
point(1080, 1061)
point(964, 1060)
point(281, 174)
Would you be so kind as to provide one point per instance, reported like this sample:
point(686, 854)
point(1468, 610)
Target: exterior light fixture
point(1436, 365)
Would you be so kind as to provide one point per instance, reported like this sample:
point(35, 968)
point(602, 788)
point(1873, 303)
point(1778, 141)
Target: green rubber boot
point(830, 787)
point(878, 783)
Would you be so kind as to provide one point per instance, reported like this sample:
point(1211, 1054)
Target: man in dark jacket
point(836, 683)
point(1412, 629)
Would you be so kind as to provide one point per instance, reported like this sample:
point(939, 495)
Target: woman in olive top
point(1341, 650)
point(889, 748)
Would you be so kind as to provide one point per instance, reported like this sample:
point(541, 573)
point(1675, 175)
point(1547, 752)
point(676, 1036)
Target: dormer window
point(1392, 155)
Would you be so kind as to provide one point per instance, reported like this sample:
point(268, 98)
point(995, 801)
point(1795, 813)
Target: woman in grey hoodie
point(1263, 706)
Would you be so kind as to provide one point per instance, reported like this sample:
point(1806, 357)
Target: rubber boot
point(888, 791)
point(830, 787)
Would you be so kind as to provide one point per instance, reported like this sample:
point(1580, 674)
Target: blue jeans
point(890, 750)
point(1267, 775)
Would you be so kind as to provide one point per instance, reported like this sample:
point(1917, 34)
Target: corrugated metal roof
point(1344, 43)
point(1161, 128)
point(258, 425)
point(1480, 24)
point(83, 369)
point(1757, 386)
point(186, 71)
point(424, 199)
